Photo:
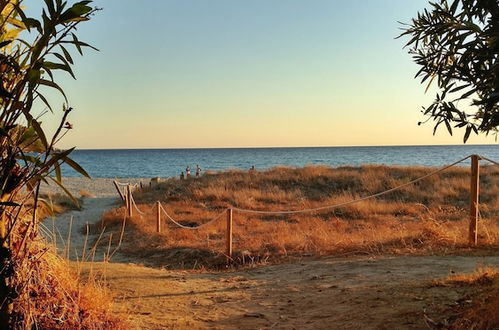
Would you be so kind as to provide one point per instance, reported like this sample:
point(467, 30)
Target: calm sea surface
point(121, 163)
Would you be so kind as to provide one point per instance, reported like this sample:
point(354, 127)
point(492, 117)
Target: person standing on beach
point(188, 171)
point(182, 176)
point(198, 170)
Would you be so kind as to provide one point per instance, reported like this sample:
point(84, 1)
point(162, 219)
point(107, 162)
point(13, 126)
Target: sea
point(164, 163)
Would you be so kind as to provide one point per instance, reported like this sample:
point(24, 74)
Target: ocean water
point(143, 163)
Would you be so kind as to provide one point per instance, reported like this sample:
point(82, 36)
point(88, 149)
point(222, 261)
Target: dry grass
point(481, 276)
point(86, 193)
point(51, 296)
point(429, 216)
point(483, 312)
point(56, 203)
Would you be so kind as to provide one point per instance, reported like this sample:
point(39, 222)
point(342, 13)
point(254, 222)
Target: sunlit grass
point(426, 217)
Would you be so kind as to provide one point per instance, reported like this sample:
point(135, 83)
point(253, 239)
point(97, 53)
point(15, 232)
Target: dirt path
point(332, 293)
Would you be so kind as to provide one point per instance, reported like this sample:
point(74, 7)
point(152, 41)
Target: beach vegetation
point(456, 46)
point(34, 52)
point(430, 216)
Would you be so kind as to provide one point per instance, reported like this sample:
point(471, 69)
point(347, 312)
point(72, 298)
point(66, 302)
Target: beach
point(97, 187)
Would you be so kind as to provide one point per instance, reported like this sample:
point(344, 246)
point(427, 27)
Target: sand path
point(330, 293)
point(72, 224)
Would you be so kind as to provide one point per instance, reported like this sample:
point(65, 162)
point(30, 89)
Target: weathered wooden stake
point(119, 192)
point(474, 193)
point(129, 198)
point(229, 235)
point(158, 217)
point(126, 201)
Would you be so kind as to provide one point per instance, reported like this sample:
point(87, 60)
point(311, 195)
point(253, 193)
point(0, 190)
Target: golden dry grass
point(52, 296)
point(481, 276)
point(86, 193)
point(49, 294)
point(483, 312)
point(428, 216)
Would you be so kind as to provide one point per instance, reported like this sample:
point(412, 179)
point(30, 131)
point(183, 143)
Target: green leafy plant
point(457, 45)
point(32, 51)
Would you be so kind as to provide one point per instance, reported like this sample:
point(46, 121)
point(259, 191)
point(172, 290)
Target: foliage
point(458, 45)
point(32, 51)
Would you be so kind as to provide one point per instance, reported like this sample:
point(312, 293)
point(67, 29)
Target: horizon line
point(296, 147)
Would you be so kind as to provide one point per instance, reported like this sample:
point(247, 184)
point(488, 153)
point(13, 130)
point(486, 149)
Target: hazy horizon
point(290, 147)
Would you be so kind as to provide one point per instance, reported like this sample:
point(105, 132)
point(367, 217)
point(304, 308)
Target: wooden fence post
point(119, 191)
point(129, 198)
point(126, 201)
point(474, 193)
point(158, 217)
point(229, 235)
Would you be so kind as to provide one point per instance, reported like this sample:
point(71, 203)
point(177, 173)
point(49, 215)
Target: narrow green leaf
point(53, 85)
point(58, 174)
point(66, 54)
point(39, 132)
point(66, 191)
point(57, 156)
point(449, 128)
point(467, 134)
point(44, 100)
point(76, 166)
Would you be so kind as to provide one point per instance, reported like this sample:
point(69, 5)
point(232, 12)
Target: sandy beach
point(98, 187)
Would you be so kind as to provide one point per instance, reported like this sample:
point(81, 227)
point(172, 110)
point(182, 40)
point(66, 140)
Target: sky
point(259, 73)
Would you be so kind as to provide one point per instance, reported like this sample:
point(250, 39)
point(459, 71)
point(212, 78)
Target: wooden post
point(474, 193)
point(158, 217)
point(126, 201)
point(119, 192)
point(229, 235)
point(129, 198)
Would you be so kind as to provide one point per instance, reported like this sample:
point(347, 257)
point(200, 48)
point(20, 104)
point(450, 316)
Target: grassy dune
point(429, 216)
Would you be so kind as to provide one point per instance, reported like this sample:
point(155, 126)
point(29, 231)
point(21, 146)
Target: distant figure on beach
point(182, 177)
point(188, 171)
point(252, 169)
point(198, 170)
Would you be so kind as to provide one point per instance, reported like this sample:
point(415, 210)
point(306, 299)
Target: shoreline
point(97, 187)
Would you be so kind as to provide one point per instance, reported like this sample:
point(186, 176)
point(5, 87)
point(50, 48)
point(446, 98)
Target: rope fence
point(130, 204)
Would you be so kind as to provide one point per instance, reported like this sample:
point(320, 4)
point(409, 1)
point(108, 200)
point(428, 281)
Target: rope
point(173, 220)
point(121, 183)
point(126, 184)
point(187, 227)
point(489, 160)
point(135, 205)
point(352, 201)
point(311, 209)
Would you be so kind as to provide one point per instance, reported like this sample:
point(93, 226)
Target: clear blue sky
point(225, 73)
